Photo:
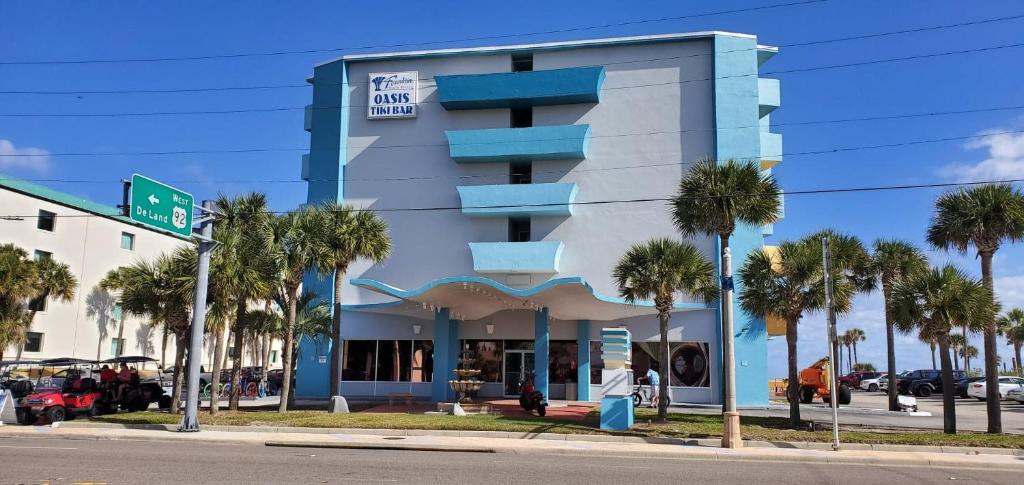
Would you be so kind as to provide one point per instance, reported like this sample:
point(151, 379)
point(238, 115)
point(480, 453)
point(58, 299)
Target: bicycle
point(641, 393)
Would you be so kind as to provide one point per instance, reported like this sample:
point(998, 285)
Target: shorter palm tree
point(968, 352)
point(957, 342)
point(925, 335)
point(1011, 326)
point(936, 301)
point(19, 281)
point(658, 270)
point(56, 281)
point(856, 335)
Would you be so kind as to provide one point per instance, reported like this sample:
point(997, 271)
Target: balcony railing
point(518, 200)
point(521, 89)
point(516, 257)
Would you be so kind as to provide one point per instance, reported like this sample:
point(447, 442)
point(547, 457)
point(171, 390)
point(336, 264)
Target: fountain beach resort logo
point(392, 95)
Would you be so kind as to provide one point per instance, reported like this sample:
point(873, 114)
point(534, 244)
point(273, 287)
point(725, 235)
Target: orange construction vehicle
point(816, 381)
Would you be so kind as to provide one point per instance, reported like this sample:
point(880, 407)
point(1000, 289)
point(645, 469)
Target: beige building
point(91, 239)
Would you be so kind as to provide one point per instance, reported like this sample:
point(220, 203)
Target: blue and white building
point(512, 179)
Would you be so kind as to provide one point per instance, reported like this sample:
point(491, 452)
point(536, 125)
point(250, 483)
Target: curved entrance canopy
point(476, 297)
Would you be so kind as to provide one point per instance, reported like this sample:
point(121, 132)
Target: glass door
point(518, 364)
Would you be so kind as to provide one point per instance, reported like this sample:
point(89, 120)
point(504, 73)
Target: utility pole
point(731, 437)
point(830, 317)
point(206, 244)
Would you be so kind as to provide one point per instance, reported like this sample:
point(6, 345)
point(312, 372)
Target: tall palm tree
point(657, 270)
point(295, 250)
point(345, 234)
point(891, 260)
point(926, 335)
point(968, 352)
point(55, 280)
point(957, 342)
point(18, 282)
point(936, 301)
point(712, 199)
point(846, 340)
point(983, 217)
point(856, 335)
point(248, 269)
point(311, 320)
point(1011, 326)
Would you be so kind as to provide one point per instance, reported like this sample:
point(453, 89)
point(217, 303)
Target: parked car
point(962, 384)
point(1006, 383)
point(924, 382)
point(1016, 395)
point(872, 383)
point(853, 379)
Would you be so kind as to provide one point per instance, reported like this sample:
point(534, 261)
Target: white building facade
point(512, 179)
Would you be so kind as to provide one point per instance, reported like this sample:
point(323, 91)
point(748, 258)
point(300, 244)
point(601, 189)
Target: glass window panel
point(562, 361)
point(46, 221)
point(34, 342)
point(359, 360)
point(690, 364)
point(519, 345)
point(422, 361)
point(489, 358)
point(127, 241)
point(596, 362)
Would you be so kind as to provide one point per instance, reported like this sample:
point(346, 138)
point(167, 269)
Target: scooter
point(530, 398)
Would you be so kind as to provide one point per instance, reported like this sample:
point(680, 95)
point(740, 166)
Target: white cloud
point(1005, 159)
point(29, 158)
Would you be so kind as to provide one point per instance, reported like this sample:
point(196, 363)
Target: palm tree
point(18, 282)
point(54, 281)
point(956, 343)
point(894, 259)
point(343, 235)
point(712, 199)
point(856, 335)
point(936, 301)
point(969, 352)
point(846, 340)
point(983, 217)
point(925, 335)
point(657, 270)
point(293, 243)
point(248, 270)
point(1011, 326)
point(311, 319)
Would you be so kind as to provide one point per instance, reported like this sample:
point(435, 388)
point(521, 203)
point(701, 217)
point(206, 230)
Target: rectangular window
point(519, 229)
point(521, 117)
point(422, 361)
point(118, 312)
point(273, 356)
point(37, 304)
point(127, 241)
point(116, 344)
point(394, 360)
point(42, 255)
point(360, 360)
point(562, 361)
point(46, 221)
point(34, 342)
point(522, 62)
point(520, 173)
point(596, 362)
point(488, 355)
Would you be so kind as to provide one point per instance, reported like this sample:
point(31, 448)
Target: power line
point(839, 190)
point(412, 44)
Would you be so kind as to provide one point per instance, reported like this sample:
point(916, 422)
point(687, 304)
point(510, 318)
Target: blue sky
point(75, 30)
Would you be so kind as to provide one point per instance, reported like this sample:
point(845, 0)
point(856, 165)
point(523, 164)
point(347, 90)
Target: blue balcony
point(516, 257)
point(768, 95)
point(521, 89)
point(565, 142)
point(771, 148)
point(518, 200)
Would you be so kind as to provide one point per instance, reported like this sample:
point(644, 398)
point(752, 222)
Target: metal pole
point(206, 244)
point(830, 317)
point(731, 437)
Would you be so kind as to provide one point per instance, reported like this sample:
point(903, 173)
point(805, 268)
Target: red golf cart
point(64, 389)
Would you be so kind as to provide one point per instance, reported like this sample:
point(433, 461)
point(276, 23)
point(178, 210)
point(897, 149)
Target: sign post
point(160, 206)
point(830, 321)
point(190, 422)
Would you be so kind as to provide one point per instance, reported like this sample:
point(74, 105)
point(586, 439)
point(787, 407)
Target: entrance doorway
point(518, 364)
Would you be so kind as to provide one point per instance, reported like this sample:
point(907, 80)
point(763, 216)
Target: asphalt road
point(970, 413)
point(51, 460)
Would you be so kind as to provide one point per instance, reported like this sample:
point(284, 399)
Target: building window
point(562, 361)
point(522, 62)
point(519, 229)
point(118, 312)
point(422, 361)
point(521, 117)
point(273, 356)
point(42, 255)
point(37, 304)
point(360, 360)
point(34, 342)
point(596, 362)
point(488, 355)
point(46, 221)
point(388, 360)
point(688, 362)
point(116, 345)
point(127, 241)
point(520, 173)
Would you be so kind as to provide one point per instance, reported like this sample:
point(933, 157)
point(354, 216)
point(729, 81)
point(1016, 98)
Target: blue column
point(453, 356)
point(442, 355)
point(582, 360)
point(542, 349)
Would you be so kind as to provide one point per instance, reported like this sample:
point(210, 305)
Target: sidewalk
point(537, 443)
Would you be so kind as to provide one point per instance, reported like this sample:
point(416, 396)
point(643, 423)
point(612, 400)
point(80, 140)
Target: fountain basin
point(465, 386)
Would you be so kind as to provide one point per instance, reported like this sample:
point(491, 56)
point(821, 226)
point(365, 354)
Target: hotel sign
point(392, 95)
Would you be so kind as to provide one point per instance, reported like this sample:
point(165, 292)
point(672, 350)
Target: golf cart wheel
point(24, 417)
point(873, 388)
point(542, 410)
point(924, 391)
point(845, 394)
point(806, 395)
point(164, 402)
point(56, 414)
point(637, 399)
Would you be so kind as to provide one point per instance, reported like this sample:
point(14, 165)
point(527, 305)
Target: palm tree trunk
point(948, 406)
point(890, 347)
point(286, 351)
point(120, 335)
point(339, 273)
point(268, 342)
point(995, 420)
point(229, 340)
point(181, 343)
point(855, 361)
point(932, 346)
point(1016, 351)
point(218, 360)
point(956, 360)
point(663, 316)
point(793, 388)
point(239, 352)
point(163, 348)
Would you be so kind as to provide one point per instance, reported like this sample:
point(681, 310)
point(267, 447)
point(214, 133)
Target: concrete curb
point(595, 438)
point(377, 446)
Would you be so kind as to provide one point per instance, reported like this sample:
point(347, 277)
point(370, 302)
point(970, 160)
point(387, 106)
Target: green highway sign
point(160, 206)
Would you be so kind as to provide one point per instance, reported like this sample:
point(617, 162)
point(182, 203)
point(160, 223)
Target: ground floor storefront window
point(388, 360)
point(688, 362)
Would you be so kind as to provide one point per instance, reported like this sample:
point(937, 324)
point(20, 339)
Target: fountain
point(466, 382)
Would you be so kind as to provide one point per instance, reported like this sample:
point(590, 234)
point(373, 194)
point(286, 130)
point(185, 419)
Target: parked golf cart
point(64, 389)
point(145, 388)
point(11, 372)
